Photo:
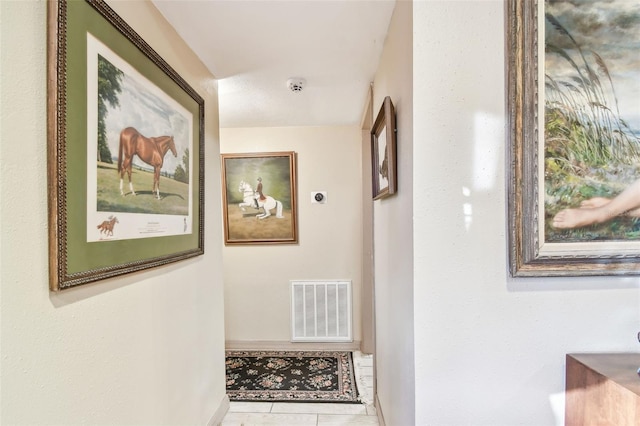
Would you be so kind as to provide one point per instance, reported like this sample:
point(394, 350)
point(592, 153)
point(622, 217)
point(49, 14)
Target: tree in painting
point(109, 78)
point(181, 173)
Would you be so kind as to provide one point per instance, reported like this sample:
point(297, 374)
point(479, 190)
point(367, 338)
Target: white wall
point(489, 350)
point(393, 233)
point(146, 348)
point(257, 277)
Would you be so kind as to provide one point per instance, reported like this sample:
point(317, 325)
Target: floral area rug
point(301, 376)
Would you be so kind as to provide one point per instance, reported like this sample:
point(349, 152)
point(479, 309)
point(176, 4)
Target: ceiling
point(254, 47)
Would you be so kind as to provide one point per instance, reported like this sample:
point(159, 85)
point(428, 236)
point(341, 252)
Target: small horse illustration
point(106, 227)
point(150, 150)
point(251, 199)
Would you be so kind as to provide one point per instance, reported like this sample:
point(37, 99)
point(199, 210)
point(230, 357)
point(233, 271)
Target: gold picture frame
point(259, 198)
point(99, 225)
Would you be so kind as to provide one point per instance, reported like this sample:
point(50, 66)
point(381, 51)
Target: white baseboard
point(379, 412)
point(222, 410)
point(279, 345)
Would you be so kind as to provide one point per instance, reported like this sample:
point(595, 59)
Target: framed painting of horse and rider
point(125, 150)
point(259, 198)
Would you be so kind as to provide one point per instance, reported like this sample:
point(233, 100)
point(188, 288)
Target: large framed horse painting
point(259, 198)
point(573, 120)
point(125, 151)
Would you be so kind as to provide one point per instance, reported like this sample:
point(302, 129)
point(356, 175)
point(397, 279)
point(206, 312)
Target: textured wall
point(393, 232)
point(489, 350)
point(142, 349)
point(257, 277)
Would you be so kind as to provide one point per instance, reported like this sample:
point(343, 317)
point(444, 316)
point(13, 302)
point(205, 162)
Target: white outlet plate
point(318, 197)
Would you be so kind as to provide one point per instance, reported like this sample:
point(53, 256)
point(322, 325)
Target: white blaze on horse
point(150, 150)
point(252, 199)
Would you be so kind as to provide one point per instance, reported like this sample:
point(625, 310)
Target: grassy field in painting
point(247, 227)
point(174, 195)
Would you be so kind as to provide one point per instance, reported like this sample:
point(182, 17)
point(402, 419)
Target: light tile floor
point(312, 414)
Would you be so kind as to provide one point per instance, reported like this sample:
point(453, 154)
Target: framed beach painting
point(383, 151)
point(125, 150)
point(573, 98)
point(259, 198)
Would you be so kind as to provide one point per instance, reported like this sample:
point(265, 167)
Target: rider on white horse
point(258, 193)
point(252, 199)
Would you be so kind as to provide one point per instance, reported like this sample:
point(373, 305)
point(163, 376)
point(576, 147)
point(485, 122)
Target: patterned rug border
point(347, 392)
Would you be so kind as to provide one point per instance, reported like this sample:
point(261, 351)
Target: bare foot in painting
point(577, 218)
point(600, 209)
point(594, 202)
point(601, 201)
point(591, 211)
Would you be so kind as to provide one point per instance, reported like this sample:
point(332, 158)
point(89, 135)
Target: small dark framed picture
point(383, 152)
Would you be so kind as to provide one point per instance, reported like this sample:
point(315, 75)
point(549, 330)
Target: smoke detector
point(296, 84)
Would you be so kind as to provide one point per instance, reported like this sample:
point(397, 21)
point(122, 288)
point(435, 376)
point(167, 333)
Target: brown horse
point(149, 150)
point(106, 227)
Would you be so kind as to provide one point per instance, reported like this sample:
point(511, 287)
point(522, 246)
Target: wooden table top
point(619, 367)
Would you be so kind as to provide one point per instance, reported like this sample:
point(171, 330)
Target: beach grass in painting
point(592, 143)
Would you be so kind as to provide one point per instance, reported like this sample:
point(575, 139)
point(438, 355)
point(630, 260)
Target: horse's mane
point(163, 143)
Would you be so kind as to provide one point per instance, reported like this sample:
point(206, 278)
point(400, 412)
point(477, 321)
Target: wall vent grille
point(321, 311)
